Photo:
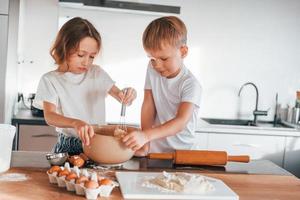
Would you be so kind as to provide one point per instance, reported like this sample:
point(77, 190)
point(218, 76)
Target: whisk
point(121, 129)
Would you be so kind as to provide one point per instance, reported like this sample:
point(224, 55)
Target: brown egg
point(91, 184)
point(79, 162)
point(83, 156)
point(76, 161)
point(105, 181)
point(81, 179)
point(54, 169)
point(71, 159)
point(71, 176)
point(64, 172)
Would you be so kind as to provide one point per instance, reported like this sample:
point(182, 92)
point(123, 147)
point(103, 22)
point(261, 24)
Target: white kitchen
point(244, 53)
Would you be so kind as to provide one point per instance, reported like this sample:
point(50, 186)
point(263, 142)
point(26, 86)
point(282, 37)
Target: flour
point(119, 133)
point(179, 182)
point(11, 177)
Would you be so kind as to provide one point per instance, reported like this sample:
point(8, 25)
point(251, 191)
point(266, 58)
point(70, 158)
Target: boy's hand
point(84, 131)
point(135, 140)
point(142, 151)
point(127, 97)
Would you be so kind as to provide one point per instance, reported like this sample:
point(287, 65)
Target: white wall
point(38, 27)
point(231, 42)
point(9, 19)
point(12, 58)
point(3, 59)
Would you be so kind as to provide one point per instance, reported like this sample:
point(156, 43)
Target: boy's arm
point(136, 140)
point(175, 125)
point(148, 114)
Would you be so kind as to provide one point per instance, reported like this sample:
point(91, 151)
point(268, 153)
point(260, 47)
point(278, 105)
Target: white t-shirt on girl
point(80, 96)
point(168, 93)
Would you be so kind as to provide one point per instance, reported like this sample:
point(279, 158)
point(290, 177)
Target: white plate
point(131, 188)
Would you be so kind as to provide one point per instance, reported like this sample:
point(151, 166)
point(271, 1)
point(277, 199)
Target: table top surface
point(246, 186)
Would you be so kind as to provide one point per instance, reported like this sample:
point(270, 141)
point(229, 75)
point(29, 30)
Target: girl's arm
point(84, 130)
point(119, 94)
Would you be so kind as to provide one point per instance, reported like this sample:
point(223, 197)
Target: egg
point(79, 162)
point(91, 184)
point(71, 176)
point(54, 169)
point(83, 156)
point(81, 179)
point(64, 172)
point(105, 181)
point(76, 161)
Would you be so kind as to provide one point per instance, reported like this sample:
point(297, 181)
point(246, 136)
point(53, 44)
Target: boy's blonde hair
point(165, 30)
point(69, 36)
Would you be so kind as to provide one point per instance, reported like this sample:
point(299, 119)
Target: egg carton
point(103, 190)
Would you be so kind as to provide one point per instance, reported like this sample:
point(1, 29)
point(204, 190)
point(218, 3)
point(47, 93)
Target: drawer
point(256, 146)
point(36, 138)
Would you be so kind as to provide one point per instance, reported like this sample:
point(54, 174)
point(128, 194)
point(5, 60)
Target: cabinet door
point(37, 138)
point(4, 7)
point(292, 155)
point(256, 146)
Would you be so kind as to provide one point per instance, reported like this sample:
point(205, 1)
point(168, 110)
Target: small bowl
point(57, 158)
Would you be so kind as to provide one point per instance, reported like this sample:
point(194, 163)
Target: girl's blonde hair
point(69, 36)
point(165, 30)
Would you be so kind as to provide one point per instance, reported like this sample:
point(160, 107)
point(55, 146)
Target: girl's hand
point(135, 140)
point(84, 131)
point(127, 97)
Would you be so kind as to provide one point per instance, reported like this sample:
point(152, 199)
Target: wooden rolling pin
point(196, 157)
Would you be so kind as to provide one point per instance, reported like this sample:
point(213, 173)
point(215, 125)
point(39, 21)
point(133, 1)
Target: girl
point(73, 95)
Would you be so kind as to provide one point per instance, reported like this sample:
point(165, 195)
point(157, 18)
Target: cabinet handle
point(44, 135)
point(246, 145)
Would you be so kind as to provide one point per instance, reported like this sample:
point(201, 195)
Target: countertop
point(263, 167)
point(247, 185)
point(205, 127)
point(25, 117)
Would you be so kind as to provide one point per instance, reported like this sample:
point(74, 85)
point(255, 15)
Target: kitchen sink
point(231, 122)
point(241, 122)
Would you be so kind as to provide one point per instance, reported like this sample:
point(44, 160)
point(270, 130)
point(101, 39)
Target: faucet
point(256, 112)
point(276, 111)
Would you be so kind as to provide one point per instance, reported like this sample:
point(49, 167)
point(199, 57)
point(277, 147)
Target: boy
point(171, 95)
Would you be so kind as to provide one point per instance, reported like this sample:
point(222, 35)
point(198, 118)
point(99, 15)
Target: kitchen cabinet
point(4, 4)
point(292, 155)
point(36, 138)
point(256, 146)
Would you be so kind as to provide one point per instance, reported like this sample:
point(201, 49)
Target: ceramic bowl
point(105, 148)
